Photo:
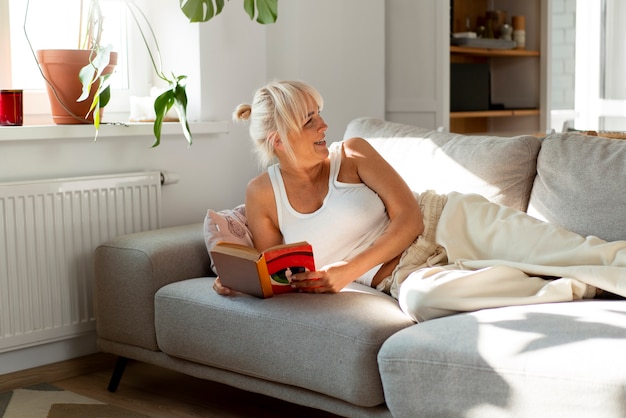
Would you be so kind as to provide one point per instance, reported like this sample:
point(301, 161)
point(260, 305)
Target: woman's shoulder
point(355, 152)
point(259, 184)
point(356, 147)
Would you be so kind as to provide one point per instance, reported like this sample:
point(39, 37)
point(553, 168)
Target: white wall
point(418, 62)
point(563, 54)
point(563, 63)
point(337, 46)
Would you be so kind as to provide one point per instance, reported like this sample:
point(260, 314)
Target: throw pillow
point(229, 225)
point(580, 185)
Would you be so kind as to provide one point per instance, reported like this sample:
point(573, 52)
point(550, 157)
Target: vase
point(61, 67)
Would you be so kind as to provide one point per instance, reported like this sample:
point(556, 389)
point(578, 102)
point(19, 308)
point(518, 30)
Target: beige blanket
point(474, 233)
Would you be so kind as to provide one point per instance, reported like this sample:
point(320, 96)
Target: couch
point(355, 353)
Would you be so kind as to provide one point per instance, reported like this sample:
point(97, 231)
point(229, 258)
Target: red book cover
point(284, 260)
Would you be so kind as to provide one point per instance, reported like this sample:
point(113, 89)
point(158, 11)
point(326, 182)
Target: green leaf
point(180, 95)
point(162, 105)
point(175, 96)
point(104, 90)
point(102, 59)
point(96, 119)
point(248, 6)
point(100, 100)
point(267, 9)
point(86, 78)
point(95, 108)
point(105, 96)
point(205, 10)
point(90, 72)
point(201, 10)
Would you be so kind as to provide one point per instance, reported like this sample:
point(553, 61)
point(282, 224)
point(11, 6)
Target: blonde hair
point(277, 109)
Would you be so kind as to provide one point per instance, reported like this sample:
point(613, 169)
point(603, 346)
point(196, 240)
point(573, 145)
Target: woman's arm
point(403, 209)
point(362, 163)
point(262, 220)
point(262, 214)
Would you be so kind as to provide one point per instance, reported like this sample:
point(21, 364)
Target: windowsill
point(43, 132)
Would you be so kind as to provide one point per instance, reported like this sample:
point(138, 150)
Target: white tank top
point(351, 217)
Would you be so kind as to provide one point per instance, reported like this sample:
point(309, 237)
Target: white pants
point(494, 253)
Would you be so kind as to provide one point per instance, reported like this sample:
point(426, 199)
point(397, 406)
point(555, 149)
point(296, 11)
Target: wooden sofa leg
point(118, 371)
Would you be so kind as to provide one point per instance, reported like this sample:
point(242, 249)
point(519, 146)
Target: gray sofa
point(355, 353)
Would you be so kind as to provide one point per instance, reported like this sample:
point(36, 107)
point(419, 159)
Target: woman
point(366, 225)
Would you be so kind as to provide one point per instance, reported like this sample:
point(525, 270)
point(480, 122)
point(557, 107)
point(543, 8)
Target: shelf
point(39, 132)
point(517, 78)
point(482, 52)
point(494, 113)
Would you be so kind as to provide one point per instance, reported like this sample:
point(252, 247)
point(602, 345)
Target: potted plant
point(71, 73)
point(99, 60)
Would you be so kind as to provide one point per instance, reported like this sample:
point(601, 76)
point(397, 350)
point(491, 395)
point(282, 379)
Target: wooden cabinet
point(518, 77)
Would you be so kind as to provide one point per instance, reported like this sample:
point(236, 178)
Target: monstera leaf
point(266, 11)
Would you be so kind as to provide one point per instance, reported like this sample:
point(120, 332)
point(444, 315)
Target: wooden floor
point(158, 392)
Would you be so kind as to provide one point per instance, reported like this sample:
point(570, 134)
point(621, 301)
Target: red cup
point(11, 108)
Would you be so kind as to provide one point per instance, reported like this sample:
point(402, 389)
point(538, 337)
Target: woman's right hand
point(221, 289)
point(329, 279)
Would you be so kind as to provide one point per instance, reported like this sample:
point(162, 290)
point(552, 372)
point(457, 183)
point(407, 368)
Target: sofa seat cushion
point(326, 343)
point(580, 185)
point(502, 169)
point(551, 360)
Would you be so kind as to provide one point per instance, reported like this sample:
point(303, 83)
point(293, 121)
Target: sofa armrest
point(131, 268)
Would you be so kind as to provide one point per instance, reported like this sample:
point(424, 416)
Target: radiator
point(49, 230)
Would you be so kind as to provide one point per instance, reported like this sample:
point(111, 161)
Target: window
point(600, 65)
point(20, 70)
point(613, 65)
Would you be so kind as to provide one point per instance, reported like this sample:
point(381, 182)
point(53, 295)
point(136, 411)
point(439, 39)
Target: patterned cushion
point(230, 225)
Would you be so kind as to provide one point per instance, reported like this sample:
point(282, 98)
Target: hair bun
point(242, 112)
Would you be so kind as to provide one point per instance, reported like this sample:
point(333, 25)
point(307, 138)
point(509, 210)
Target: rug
point(48, 401)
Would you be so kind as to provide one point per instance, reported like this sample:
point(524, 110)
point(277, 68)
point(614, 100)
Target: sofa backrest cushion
point(377, 128)
point(501, 169)
point(581, 185)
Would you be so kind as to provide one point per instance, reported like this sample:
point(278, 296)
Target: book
point(261, 274)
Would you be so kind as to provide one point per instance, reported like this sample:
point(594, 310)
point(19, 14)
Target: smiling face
point(284, 116)
point(309, 144)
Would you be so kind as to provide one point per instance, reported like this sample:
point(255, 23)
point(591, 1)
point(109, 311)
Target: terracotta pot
point(61, 68)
